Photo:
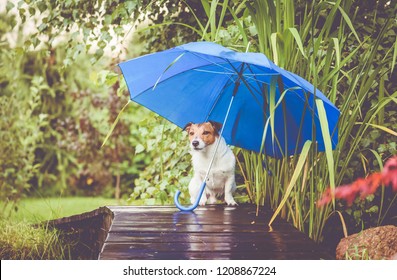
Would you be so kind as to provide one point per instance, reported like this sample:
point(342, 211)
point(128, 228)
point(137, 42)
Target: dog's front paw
point(202, 203)
point(231, 202)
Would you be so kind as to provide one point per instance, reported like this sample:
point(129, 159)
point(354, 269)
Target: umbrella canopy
point(273, 110)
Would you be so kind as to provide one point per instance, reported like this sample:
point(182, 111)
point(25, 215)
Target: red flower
point(389, 173)
point(372, 183)
point(364, 187)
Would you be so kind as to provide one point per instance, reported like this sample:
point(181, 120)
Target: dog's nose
point(195, 143)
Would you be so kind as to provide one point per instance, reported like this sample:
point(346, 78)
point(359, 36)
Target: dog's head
point(202, 135)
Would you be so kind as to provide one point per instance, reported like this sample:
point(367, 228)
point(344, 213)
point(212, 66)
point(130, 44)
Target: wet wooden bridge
point(164, 233)
point(210, 232)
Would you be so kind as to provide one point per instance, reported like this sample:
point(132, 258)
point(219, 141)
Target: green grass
point(34, 210)
point(20, 240)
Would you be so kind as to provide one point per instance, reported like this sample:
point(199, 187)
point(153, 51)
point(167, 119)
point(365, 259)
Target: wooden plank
point(224, 218)
point(208, 255)
point(200, 241)
point(194, 228)
point(203, 237)
point(211, 232)
point(213, 215)
point(225, 245)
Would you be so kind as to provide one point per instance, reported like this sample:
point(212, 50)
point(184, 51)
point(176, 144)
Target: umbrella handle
point(192, 207)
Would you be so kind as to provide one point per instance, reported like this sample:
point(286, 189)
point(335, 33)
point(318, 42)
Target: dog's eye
point(191, 133)
point(206, 132)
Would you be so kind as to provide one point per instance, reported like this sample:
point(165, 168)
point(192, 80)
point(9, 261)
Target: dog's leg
point(230, 187)
point(211, 197)
point(194, 189)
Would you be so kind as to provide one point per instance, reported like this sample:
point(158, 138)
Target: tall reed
point(318, 55)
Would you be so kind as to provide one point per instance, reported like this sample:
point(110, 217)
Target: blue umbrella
point(203, 81)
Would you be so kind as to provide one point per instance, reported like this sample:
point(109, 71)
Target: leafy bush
point(169, 169)
point(20, 133)
point(53, 147)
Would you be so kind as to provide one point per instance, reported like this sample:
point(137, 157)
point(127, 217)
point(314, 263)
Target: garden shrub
point(20, 128)
point(169, 168)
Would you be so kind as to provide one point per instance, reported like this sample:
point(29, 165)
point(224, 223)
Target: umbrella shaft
point(219, 138)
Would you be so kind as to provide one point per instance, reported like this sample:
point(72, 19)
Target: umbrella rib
point(213, 72)
point(228, 83)
point(214, 63)
point(289, 89)
point(247, 85)
point(305, 98)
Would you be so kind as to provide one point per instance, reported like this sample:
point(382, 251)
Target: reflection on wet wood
point(210, 232)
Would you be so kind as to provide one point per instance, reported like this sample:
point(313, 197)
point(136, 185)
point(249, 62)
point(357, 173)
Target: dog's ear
point(216, 125)
point(187, 126)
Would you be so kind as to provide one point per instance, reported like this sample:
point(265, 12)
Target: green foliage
point(54, 145)
point(19, 133)
point(90, 26)
point(357, 254)
point(170, 23)
point(169, 169)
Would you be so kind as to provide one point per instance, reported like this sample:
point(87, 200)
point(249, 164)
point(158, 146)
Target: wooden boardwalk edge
point(87, 231)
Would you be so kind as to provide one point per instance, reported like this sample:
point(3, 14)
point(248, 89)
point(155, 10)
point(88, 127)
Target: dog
point(221, 179)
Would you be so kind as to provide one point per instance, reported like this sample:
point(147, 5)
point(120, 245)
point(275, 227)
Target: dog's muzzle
point(196, 145)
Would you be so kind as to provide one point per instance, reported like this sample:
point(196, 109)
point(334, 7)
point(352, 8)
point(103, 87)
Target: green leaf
point(42, 27)
point(102, 44)
point(298, 40)
point(381, 127)
point(327, 143)
point(168, 67)
point(349, 23)
point(115, 123)
point(139, 149)
point(337, 50)
point(206, 6)
point(111, 78)
point(273, 39)
point(9, 6)
point(42, 6)
point(32, 11)
point(294, 179)
point(98, 54)
point(393, 62)
point(373, 209)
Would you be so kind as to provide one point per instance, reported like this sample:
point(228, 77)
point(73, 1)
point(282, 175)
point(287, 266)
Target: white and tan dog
point(221, 179)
